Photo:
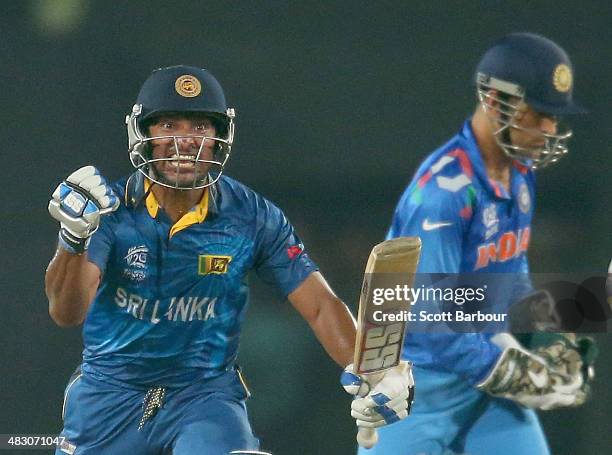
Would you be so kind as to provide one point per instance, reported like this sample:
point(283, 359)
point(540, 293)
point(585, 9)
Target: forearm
point(71, 280)
point(328, 317)
point(334, 327)
point(70, 286)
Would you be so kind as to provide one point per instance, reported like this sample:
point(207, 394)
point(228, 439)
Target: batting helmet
point(530, 68)
point(180, 89)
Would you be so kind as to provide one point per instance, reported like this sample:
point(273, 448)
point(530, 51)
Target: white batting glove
point(382, 398)
point(77, 204)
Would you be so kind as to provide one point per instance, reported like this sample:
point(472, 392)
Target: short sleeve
point(102, 242)
point(435, 217)
point(281, 259)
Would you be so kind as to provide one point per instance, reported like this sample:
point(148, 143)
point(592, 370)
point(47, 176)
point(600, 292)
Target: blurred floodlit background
point(337, 104)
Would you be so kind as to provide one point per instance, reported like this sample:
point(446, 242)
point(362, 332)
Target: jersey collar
point(197, 214)
point(135, 191)
point(492, 186)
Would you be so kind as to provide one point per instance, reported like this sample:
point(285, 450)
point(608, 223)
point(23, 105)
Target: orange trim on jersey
point(520, 167)
point(424, 179)
point(464, 161)
point(496, 188)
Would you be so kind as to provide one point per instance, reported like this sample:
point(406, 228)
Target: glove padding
point(77, 204)
point(546, 378)
point(383, 398)
point(560, 349)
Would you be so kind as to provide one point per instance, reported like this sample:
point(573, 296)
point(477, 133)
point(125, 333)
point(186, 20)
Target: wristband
point(71, 243)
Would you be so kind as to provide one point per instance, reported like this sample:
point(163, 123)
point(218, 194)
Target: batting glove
point(381, 398)
point(77, 204)
point(546, 378)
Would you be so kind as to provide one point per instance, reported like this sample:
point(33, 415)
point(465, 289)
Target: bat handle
point(367, 437)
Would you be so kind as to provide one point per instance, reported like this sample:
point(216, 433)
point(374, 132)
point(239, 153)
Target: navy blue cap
point(181, 88)
point(539, 66)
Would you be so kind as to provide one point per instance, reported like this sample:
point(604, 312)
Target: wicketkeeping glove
point(546, 378)
point(560, 348)
point(77, 204)
point(381, 399)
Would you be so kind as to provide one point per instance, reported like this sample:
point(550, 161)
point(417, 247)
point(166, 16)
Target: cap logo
point(188, 86)
point(562, 78)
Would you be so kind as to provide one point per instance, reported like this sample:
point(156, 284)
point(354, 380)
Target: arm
point(281, 260)
point(71, 282)
point(382, 403)
point(72, 278)
point(327, 315)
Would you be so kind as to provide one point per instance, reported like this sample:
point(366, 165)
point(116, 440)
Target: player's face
point(531, 127)
point(182, 140)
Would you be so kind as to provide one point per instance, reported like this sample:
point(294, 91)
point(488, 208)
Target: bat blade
point(388, 276)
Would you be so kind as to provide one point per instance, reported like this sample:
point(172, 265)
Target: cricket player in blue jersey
point(471, 201)
point(155, 267)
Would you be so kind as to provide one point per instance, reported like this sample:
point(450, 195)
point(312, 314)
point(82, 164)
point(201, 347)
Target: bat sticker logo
point(382, 347)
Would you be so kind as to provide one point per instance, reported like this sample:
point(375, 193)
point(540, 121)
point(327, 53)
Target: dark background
point(337, 103)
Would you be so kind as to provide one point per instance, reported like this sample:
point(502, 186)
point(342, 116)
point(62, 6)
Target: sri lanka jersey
point(467, 223)
point(173, 296)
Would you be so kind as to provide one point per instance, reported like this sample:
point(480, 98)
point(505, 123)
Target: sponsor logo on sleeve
point(294, 251)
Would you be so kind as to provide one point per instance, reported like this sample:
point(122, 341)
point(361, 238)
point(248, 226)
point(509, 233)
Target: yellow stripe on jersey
point(151, 202)
point(195, 215)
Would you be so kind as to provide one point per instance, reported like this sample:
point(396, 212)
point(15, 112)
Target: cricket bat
point(378, 346)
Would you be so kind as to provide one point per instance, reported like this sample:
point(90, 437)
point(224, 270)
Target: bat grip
point(368, 437)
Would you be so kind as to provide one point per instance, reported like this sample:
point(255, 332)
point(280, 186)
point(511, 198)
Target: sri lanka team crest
point(213, 264)
point(188, 86)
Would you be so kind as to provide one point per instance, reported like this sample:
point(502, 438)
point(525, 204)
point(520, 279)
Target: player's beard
point(165, 173)
point(530, 146)
point(182, 174)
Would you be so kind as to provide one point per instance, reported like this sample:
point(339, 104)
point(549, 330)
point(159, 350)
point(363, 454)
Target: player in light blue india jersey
point(155, 267)
point(471, 201)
